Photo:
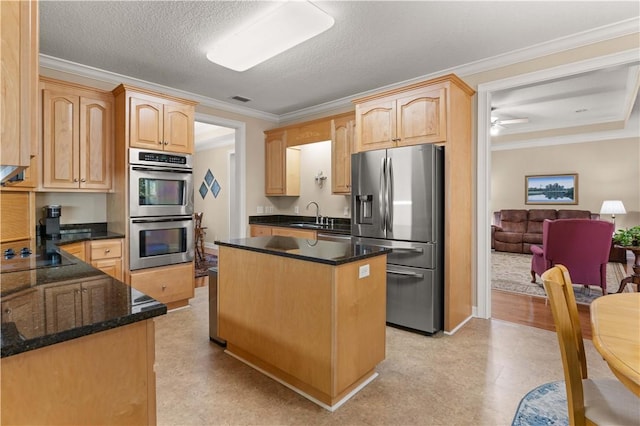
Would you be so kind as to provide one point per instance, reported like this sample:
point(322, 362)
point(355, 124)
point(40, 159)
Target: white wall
point(215, 209)
point(607, 170)
point(80, 207)
point(314, 157)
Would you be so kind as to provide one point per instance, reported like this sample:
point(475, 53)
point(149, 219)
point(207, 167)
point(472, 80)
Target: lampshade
point(612, 207)
point(277, 31)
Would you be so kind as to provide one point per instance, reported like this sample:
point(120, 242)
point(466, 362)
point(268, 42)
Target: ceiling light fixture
point(281, 29)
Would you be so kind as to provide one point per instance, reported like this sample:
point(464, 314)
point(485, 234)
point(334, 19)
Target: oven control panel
point(159, 158)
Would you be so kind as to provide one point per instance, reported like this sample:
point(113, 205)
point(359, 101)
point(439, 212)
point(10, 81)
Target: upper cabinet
point(155, 121)
point(433, 111)
point(408, 117)
point(342, 132)
point(282, 166)
point(282, 153)
point(77, 137)
point(19, 82)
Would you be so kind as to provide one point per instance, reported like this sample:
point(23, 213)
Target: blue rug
point(544, 405)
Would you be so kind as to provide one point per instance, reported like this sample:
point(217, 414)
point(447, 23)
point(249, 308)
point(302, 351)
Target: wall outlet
point(296, 209)
point(363, 271)
point(346, 211)
point(260, 210)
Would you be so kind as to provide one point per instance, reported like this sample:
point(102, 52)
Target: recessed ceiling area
point(605, 96)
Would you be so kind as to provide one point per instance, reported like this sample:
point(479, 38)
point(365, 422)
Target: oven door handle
point(154, 170)
point(162, 219)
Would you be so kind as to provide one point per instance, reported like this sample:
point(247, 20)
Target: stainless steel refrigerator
point(397, 202)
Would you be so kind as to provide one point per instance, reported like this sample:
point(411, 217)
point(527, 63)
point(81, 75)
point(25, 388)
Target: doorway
point(219, 177)
point(483, 177)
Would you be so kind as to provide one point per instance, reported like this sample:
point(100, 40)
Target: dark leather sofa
point(517, 230)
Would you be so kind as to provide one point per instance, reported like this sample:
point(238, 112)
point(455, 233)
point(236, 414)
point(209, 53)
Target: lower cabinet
point(78, 250)
point(263, 230)
point(105, 255)
point(74, 303)
point(172, 285)
point(22, 309)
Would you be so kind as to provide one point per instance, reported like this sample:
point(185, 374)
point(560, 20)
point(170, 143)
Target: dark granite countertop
point(340, 226)
point(45, 306)
point(71, 233)
point(328, 252)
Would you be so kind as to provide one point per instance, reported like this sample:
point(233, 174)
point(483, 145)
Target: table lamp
point(612, 207)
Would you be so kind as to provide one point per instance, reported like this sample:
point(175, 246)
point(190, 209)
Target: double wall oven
point(160, 208)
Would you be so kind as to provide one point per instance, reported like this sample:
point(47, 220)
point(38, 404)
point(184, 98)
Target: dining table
point(615, 326)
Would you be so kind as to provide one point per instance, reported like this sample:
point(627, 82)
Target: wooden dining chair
point(199, 234)
point(590, 401)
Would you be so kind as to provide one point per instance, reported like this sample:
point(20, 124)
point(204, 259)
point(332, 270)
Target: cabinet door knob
point(164, 287)
point(84, 290)
point(160, 142)
point(107, 251)
point(166, 143)
point(83, 180)
point(75, 179)
point(7, 311)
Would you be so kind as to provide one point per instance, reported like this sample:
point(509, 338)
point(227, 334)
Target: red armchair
point(580, 245)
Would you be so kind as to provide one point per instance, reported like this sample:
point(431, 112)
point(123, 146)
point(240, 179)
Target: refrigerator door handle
point(408, 274)
point(389, 195)
point(408, 249)
point(381, 194)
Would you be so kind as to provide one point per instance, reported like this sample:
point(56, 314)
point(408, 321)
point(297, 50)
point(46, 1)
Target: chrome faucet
point(317, 211)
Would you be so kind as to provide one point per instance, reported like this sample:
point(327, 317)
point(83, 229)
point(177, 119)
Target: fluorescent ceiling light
point(285, 27)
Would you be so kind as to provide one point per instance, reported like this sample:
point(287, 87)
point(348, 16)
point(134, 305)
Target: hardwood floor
point(532, 311)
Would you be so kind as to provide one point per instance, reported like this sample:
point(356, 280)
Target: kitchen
point(254, 181)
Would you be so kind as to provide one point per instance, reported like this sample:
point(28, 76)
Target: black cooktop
point(23, 259)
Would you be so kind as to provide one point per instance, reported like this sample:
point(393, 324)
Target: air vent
point(240, 98)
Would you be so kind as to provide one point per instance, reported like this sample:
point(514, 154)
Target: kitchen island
point(77, 346)
point(308, 313)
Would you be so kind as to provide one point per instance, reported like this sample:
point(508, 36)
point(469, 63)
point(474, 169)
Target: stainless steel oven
point(160, 184)
point(160, 241)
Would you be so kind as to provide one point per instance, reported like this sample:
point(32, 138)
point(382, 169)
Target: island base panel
point(102, 378)
point(299, 386)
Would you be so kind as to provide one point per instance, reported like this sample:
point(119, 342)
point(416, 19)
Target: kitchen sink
point(307, 225)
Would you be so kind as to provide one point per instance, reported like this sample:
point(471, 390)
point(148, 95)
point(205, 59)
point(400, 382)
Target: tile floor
point(475, 377)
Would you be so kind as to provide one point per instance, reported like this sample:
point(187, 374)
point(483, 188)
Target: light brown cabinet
point(75, 303)
point(157, 122)
point(78, 250)
point(259, 230)
point(282, 166)
point(296, 233)
point(411, 118)
point(433, 111)
point(106, 255)
point(19, 82)
point(17, 216)
point(172, 285)
point(264, 230)
point(29, 178)
point(342, 132)
point(22, 309)
point(77, 137)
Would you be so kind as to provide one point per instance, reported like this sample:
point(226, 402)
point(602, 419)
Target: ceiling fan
point(498, 123)
point(495, 121)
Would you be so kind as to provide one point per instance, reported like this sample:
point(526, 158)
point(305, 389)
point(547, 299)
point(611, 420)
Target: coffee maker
point(52, 215)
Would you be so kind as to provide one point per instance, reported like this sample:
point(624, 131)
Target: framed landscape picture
point(551, 189)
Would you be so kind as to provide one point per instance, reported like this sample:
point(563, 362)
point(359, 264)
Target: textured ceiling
point(371, 45)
